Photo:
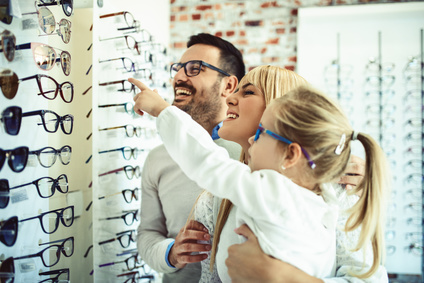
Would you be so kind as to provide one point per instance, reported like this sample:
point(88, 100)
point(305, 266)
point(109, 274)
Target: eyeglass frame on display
point(5, 188)
point(17, 116)
point(119, 238)
point(56, 152)
point(16, 81)
point(65, 63)
point(134, 195)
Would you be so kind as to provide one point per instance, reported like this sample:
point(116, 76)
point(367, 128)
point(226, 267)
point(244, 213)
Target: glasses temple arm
point(23, 46)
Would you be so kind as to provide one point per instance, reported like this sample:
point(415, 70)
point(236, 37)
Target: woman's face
point(245, 108)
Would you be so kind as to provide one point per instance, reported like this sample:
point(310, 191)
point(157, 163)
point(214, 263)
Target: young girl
point(302, 142)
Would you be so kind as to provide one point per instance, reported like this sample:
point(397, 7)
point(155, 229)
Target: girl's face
point(265, 152)
point(245, 108)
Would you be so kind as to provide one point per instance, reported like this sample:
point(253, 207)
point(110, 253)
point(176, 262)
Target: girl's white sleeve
point(191, 146)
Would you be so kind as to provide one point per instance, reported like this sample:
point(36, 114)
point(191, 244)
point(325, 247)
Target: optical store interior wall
point(100, 191)
point(93, 214)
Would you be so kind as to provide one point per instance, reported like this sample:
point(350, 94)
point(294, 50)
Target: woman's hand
point(147, 100)
point(247, 262)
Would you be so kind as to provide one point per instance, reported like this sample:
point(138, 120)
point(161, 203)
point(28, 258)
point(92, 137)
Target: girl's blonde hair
point(309, 118)
point(273, 82)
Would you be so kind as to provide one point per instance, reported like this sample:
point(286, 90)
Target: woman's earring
point(282, 167)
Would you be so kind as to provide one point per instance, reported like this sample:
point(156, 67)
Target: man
point(208, 72)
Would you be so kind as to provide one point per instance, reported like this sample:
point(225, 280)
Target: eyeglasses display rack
point(378, 76)
point(71, 147)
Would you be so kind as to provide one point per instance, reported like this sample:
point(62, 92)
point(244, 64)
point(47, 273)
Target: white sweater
point(292, 223)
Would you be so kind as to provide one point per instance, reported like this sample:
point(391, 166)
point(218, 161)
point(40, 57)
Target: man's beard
point(205, 112)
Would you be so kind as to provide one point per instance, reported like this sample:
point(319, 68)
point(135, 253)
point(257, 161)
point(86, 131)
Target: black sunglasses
point(67, 5)
point(61, 275)
point(49, 88)
point(192, 68)
point(16, 158)
point(46, 187)
point(49, 256)
point(5, 16)
point(11, 118)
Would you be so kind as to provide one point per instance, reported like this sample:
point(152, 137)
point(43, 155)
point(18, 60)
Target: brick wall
point(265, 31)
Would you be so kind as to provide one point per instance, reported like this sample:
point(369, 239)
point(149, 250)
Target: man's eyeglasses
point(48, 86)
point(16, 158)
point(128, 217)
point(8, 43)
point(193, 68)
point(47, 156)
point(129, 195)
point(49, 256)
point(45, 56)
point(125, 238)
point(261, 130)
point(61, 275)
point(67, 5)
point(11, 118)
point(46, 187)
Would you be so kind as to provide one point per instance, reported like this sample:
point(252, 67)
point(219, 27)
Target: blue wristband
point(167, 254)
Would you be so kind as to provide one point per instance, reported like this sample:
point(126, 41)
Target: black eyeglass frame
point(176, 67)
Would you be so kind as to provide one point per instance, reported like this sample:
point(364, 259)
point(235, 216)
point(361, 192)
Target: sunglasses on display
point(11, 118)
point(49, 222)
point(5, 16)
point(128, 217)
point(125, 238)
point(128, 195)
point(67, 5)
point(8, 43)
point(49, 88)
point(47, 23)
point(192, 68)
point(16, 158)
point(129, 20)
point(47, 156)
point(126, 85)
point(61, 275)
point(49, 256)
point(261, 130)
point(45, 56)
point(128, 64)
point(46, 187)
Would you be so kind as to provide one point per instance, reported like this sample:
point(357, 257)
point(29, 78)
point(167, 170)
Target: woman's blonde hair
point(273, 82)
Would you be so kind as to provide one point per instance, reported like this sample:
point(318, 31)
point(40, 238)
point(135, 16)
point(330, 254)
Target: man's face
point(200, 96)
